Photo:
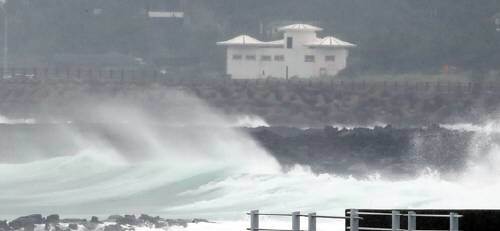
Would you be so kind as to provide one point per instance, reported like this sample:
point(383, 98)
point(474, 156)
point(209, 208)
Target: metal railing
point(311, 217)
point(354, 217)
point(35, 75)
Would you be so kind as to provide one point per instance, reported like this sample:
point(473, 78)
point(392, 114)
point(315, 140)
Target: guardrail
point(35, 75)
point(354, 220)
point(312, 217)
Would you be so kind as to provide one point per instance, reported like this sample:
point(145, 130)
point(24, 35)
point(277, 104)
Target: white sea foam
point(251, 121)
point(6, 120)
point(218, 174)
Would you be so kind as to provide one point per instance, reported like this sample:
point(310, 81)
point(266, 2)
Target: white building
point(299, 54)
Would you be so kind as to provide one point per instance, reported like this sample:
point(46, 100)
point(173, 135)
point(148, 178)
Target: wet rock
point(4, 226)
point(54, 227)
point(52, 219)
point(199, 220)
point(73, 220)
point(115, 227)
point(115, 218)
point(90, 225)
point(94, 219)
point(151, 221)
point(128, 220)
point(29, 227)
point(27, 222)
point(73, 226)
point(177, 222)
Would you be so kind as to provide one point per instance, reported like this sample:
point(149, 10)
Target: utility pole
point(5, 37)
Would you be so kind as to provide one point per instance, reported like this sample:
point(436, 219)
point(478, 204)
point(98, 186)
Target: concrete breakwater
point(290, 103)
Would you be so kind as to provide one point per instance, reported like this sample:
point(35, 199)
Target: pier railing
point(353, 218)
point(30, 76)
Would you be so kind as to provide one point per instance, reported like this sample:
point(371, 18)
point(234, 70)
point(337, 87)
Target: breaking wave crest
point(212, 172)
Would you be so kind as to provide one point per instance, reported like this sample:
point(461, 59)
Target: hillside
point(392, 36)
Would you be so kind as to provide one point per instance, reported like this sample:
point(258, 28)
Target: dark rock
point(73, 226)
point(94, 219)
point(115, 227)
point(29, 227)
point(145, 217)
point(161, 224)
point(151, 221)
point(90, 225)
point(27, 222)
point(52, 219)
point(73, 220)
point(128, 220)
point(115, 218)
point(54, 227)
point(199, 220)
point(177, 222)
point(4, 226)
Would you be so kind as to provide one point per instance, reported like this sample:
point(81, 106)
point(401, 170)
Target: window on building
point(250, 57)
point(265, 58)
point(330, 58)
point(309, 59)
point(279, 58)
point(289, 42)
point(237, 57)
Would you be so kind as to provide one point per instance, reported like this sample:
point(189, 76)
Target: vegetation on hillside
point(394, 36)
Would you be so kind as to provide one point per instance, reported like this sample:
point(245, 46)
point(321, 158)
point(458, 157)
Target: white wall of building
point(294, 59)
point(294, 63)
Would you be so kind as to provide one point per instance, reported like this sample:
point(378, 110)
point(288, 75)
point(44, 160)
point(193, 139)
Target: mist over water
point(204, 168)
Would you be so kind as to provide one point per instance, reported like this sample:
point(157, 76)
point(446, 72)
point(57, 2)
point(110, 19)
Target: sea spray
point(205, 169)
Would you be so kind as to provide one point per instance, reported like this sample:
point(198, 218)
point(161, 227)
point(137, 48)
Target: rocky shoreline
point(112, 223)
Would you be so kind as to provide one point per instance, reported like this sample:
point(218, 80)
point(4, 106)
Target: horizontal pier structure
point(391, 220)
point(430, 219)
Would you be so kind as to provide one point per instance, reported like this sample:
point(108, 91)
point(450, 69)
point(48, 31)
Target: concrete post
point(254, 220)
point(295, 221)
point(396, 220)
point(454, 222)
point(412, 221)
point(312, 222)
point(286, 73)
point(354, 221)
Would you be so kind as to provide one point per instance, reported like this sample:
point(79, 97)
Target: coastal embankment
point(298, 103)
